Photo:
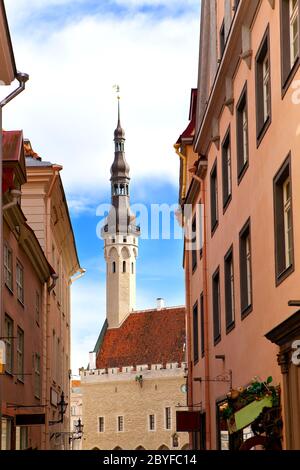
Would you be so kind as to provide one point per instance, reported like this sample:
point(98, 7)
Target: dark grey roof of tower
point(120, 168)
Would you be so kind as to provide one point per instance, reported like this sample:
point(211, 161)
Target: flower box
point(245, 416)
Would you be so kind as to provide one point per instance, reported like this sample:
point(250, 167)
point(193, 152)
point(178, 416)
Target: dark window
point(132, 268)
point(152, 422)
point(214, 197)
point(202, 325)
point(290, 38)
point(195, 332)
point(194, 242)
point(229, 290)
point(242, 134)
point(226, 166)
point(114, 267)
point(120, 423)
point(203, 431)
point(101, 424)
point(168, 417)
point(222, 39)
point(216, 306)
point(284, 245)
point(245, 269)
point(263, 87)
point(124, 266)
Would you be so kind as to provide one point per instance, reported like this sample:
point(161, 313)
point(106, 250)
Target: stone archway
point(118, 448)
point(95, 448)
point(163, 447)
point(140, 448)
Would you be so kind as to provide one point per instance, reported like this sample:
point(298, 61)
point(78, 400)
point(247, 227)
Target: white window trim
point(294, 17)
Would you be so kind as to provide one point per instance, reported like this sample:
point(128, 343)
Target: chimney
point(160, 303)
point(92, 361)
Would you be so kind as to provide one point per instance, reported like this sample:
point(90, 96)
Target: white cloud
point(69, 110)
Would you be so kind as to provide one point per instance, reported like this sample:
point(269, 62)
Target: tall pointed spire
point(120, 168)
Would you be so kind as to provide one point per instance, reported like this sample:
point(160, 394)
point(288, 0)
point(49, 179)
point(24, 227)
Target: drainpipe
point(189, 342)
point(184, 174)
point(22, 79)
point(206, 320)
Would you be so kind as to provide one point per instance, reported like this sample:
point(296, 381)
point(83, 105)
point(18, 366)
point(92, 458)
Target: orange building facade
point(239, 171)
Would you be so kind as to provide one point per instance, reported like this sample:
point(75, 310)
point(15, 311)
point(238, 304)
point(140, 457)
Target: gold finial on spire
point(117, 90)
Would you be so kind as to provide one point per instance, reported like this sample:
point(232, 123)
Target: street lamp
point(62, 408)
point(77, 434)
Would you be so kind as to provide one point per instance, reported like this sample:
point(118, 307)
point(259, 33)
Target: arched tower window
point(124, 266)
point(114, 267)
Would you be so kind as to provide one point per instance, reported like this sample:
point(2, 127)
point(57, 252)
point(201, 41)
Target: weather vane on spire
point(117, 90)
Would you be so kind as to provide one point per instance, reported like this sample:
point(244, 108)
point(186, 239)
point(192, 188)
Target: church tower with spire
point(120, 236)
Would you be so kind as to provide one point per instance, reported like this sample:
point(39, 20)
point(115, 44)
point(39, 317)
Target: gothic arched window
point(124, 266)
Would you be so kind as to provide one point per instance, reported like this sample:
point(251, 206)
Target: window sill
point(262, 132)
point(242, 171)
point(284, 275)
point(289, 78)
point(10, 290)
point(214, 228)
point(21, 303)
point(226, 203)
point(196, 361)
point(194, 269)
point(21, 381)
point(9, 373)
point(230, 327)
point(246, 311)
point(217, 340)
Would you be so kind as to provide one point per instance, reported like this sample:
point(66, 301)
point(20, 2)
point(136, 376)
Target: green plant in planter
point(238, 399)
point(139, 379)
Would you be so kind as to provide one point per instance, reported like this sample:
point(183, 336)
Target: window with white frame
point(20, 354)
point(287, 207)
point(266, 87)
point(20, 282)
point(8, 338)
point(8, 267)
point(37, 375)
point(294, 30)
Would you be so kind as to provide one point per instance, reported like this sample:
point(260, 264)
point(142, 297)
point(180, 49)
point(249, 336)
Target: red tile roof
point(190, 130)
point(148, 337)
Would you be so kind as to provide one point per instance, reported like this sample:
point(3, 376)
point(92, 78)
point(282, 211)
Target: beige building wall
point(44, 204)
point(120, 394)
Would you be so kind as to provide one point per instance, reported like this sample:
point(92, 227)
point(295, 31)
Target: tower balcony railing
point(129, 229)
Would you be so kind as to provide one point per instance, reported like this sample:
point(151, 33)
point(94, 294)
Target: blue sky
point(75, 51)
